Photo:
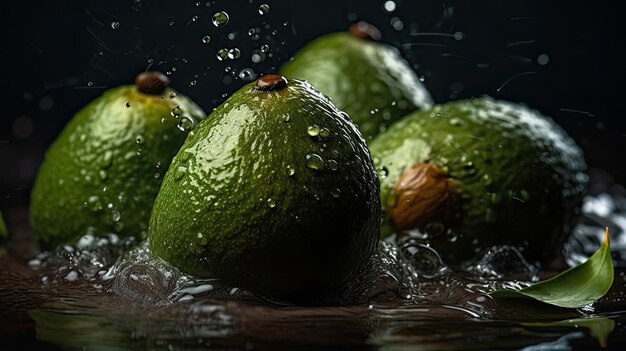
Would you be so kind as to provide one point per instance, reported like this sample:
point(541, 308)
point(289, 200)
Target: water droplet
point(247, 74)
point(194, 18)
point(396, 23)
point(257, 57)
point(206, 39)
point(139, 140)
point(335, 193)
point(180, 173)
point(313, 130)
point(264, 8)
point(384, 172)
point(543, 59)
point(222, 54)
point(220, 19)
point(193, 83)
point(176, 112)
point(421, 77)
point(286, 117)
point(291, 170)
point(333, 165)
point(389, 6)
point(172, 95)
point(115, 25)
point(186, 124)
point(251, 31)
point(265, 48)
point(200, 235)
point(89, 84)
point(314, 161)
point(459, 35)
point(127, 104)
point(234, 53)
point(271, 203)
point(93, 203)
point(324, 132)
point(456, 122)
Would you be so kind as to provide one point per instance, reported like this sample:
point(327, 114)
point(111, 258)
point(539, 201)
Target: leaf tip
point(606, 236)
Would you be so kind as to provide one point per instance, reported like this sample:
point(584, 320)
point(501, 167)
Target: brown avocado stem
point(364, 30)
point(153, 83)
point(271, 82)
point(424, 194)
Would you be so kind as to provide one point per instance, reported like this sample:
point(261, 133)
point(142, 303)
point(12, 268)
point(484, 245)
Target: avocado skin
point(97, 160)
point(368, 80)
point(212, 216)
point(520, 177)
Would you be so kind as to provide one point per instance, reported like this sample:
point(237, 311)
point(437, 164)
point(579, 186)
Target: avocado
point(104, 170)
point(470, 174)
point(367, 79)
point(275, 192)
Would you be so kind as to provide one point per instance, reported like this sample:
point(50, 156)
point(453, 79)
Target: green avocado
point(467, 175)
point(367, 79)
point(104, 170)
point(275, 191)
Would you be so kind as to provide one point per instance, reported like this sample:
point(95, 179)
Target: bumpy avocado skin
point(104, 170)
point(246, 201)
point(520, 177)
point(368, 80)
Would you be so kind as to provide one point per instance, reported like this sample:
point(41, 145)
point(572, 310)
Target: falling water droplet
point(234, 53)
point(222, 54)
point(264, 8)
point(186, 124)
point(220, 19)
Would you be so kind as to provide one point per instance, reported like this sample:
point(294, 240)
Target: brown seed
point(271, 82)
point(424, 194)
point(364, 30)
point(152, 83)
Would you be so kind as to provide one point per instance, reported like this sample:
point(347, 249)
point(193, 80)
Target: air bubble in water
point(264, 8)
point(220, 19)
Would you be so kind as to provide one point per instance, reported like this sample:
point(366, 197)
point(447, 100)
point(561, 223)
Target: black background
point(59, 55)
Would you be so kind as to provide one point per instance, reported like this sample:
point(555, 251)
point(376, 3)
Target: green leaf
point(574, 288)
point(599, 327)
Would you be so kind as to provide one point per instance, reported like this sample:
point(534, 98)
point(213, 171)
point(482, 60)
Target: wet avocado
point(103, 171)
point(367, 79)
point(275, 191)
point(467, 175)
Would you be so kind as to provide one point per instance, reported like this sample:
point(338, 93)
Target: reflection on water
point(105, 293)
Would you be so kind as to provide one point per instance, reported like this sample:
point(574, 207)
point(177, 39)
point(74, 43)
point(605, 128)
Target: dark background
point(564, 58)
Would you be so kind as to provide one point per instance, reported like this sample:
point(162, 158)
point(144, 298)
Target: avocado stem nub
point(424, 194)
point(364, 30)
point(271, 82)
point(153, 83)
